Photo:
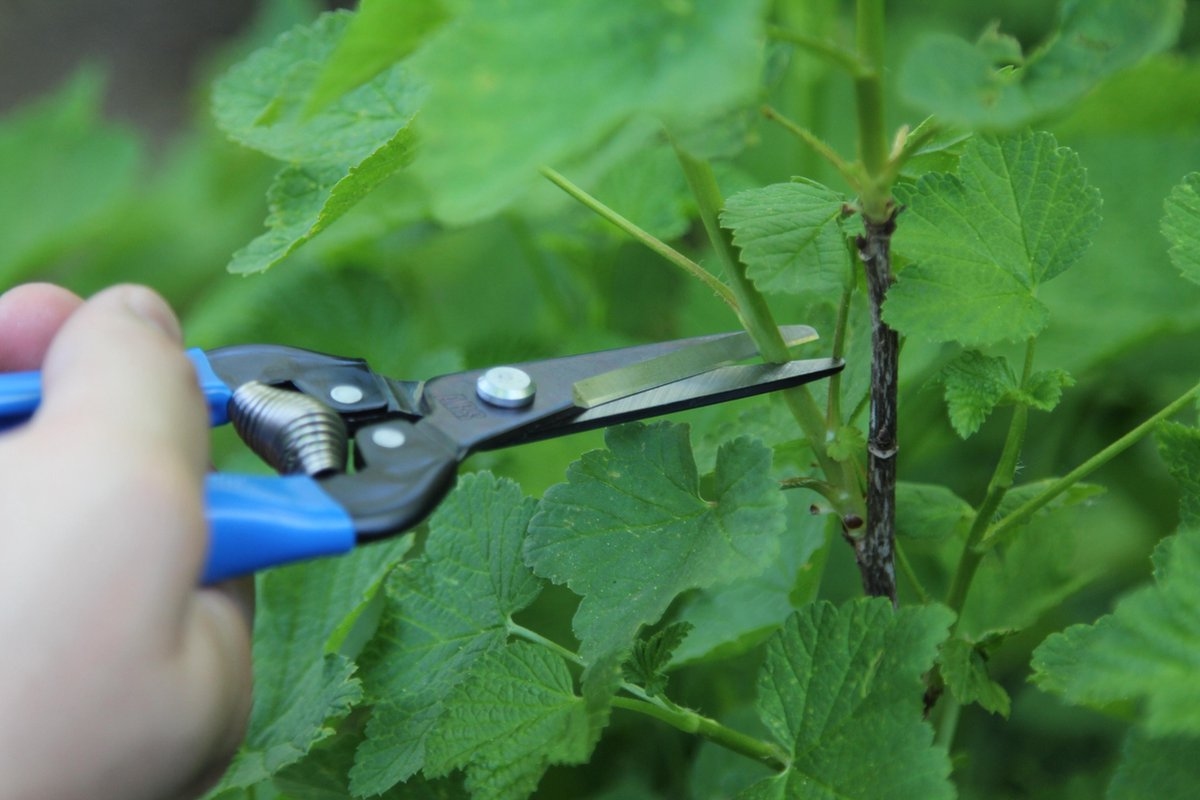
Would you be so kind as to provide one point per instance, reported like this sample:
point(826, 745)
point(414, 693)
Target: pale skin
point(120, 677)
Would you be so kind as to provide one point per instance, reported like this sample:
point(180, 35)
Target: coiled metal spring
point(291, 431)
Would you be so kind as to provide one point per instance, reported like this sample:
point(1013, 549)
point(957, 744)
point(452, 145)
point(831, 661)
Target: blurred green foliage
point(422, 281)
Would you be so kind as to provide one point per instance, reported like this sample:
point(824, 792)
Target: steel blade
point(716, 386)
point(677, 365)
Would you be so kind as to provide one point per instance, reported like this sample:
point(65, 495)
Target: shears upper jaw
point(347, 385)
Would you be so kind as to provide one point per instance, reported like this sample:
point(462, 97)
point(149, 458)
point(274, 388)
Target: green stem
point(911, 145)
point(1030, 507)
point(1001, 481)
point(649, 240)
point(947, 724)
point(760, 324)
point(833, 407)
point(998, 486)
point(846, 170)
point(521, 632)
point(687, 721)
point(834, 54)
point(868, 91)
point(910, 575)
point(823, 488)
point(684, 719)
point(756, 315)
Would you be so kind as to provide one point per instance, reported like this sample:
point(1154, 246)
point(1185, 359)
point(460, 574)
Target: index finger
point(30, 317)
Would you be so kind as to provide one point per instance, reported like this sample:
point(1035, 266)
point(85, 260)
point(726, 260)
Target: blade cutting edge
point(715, 386)
point(683, 363)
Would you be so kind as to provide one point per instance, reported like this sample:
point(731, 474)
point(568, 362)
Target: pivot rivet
point(390, 438)
point(346, 394)
point(507, 387)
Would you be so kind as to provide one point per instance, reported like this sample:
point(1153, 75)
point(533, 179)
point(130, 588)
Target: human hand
point(121, 677)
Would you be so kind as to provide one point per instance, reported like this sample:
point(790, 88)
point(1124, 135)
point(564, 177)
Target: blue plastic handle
point(216, 393)
point(21, 393)
point(254, 521)
point(263, 521)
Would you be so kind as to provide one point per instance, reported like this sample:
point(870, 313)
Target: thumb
point(117, 366)
point(120, 395)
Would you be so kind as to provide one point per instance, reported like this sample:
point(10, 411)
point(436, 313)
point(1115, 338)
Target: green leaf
point(516, 715)
point(1160, 96)
point(518, 85)
point(445, 610)
point(648, 662)
point(964, 669)
point(304, 201)
point(1181, 226)
point(791, 238)
point(848, 443)
point(1164, 768)
point(718, 773)
point(991, 85)
point(600, 681)
point(1000, 48)
point(630, 531)
point(649, 189)
point(1040, 564)
point(975, 304)
point(1179, 446)
point(975, 384)
point(260, 101)
point(292, 717)
point(304, 681)
point(1044, 389)
point(1038, 568)
point(337, 156)
point(1018, 213)
point(381, 33)
point(940, 153)
point(325, 774)
point(842, 688)
point(1019, 495)
point(1148, 649)
point(732, 618)
point(65, 172)
point(929, 512)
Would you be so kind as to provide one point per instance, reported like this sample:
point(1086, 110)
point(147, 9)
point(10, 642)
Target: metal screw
point(346, 394)
point(391, 438)
point(507, 387)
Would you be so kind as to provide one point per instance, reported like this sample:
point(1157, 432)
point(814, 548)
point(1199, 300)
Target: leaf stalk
point(663, 710)
point(687, 721)
point(848, 171)
point(760, 324)
point(521, 632)
point(830, 52)
point(998, 486)
point(1003, 527)
point(645, 237)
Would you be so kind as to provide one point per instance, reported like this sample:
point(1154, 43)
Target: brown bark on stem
point(874, 546)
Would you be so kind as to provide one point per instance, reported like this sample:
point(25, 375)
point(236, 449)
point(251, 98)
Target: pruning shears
point(362, 456)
